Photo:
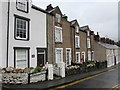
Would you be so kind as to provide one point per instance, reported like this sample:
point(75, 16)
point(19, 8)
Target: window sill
point(22, 39)
point(58, 42)
point(77, 47)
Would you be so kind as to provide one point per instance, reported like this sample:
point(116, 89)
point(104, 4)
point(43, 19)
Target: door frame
point(45, 54)
point(83, 53)
point(70, 58)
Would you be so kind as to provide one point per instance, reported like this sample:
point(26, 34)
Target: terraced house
point(90, 42)
point(22, 35)
point(31, 36)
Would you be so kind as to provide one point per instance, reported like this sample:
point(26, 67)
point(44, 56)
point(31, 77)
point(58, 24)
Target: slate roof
point(109, 46)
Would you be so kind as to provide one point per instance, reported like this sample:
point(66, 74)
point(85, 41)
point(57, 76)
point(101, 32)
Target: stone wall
point(15, 78)
point(41, 76)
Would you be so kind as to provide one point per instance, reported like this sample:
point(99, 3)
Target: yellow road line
point(70, 84)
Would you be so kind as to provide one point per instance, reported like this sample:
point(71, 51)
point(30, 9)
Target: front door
point(41, 58)
point(68, 56)
point(114, 60)
point(83, 57)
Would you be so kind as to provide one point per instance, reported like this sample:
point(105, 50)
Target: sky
point(100, 15)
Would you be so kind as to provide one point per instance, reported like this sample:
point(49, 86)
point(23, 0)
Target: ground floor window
point(21, 58)
point(68, 56)
point(78, 57)
point(89, 55)
point(59, 55)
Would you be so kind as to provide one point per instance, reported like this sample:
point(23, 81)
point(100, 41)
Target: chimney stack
point(49, 7)
point(65, 17)
point(97, 37)
point(103, 40)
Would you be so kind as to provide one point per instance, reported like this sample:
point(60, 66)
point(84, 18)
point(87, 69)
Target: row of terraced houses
point(31, 36)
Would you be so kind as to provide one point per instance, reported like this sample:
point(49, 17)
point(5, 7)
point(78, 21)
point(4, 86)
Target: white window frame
point(69, 57)
point(60, 30)
point(77, 29)
point(78, 61)
point(88, 33)
point(58, 18)
point(16, 59)
point(84, 55)
point(88, 43)
point(89, 55)
point(61, 55)
point(22, 5)
point(77, 46)
point(21, 29)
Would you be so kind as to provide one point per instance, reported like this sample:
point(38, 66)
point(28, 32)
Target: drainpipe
point(8, 31)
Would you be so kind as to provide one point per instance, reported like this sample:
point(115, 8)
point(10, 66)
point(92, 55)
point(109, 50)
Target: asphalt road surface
point(108, 79)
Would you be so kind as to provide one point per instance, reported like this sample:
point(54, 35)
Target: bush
point(37, 69)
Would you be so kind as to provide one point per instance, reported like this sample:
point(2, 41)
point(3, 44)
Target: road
point(108, 79)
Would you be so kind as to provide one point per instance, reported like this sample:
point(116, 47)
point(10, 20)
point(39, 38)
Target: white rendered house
point(112, 54)
point(23, 41)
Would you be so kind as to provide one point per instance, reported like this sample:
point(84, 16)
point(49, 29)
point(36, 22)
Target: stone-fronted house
point(62, 36)
point(106, 50)
point(79, 43)
point(90, 42)
point(23, 35)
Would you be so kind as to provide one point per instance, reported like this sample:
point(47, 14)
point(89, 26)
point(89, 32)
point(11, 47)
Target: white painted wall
point(37, 33)
point(3, 34)
point(0, 33)
point(110, 57)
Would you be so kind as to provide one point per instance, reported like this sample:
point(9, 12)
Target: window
point(78, 57)
point(89, 55)
point(58, 34)
point(92, 55)
point(68, 56)
point(77, 41)
point(88, 33)
point(22, 5)
point(88, 42)
point(59, 55)
point(58, 18)
point(21, 28)
point(77, 29)
point(21, 58)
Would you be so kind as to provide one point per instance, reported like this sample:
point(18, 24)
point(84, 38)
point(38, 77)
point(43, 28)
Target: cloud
point(102, 17)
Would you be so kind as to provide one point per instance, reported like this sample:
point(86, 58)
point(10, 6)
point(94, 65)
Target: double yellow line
point(70, 84)
point(115, 87)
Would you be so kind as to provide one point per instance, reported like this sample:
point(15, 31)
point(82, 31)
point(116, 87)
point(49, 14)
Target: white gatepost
point(62, 69)
point(50, 71)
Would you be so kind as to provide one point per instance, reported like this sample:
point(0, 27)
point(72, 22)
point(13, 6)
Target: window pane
point(22, 5)
point(21, 58)
point(21, 28)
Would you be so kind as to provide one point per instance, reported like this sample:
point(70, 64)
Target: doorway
point(40, 57)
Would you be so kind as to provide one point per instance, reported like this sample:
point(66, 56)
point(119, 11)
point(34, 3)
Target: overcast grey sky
point(100, 15)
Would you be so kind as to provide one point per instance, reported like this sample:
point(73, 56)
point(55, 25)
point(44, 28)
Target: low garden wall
point(40, 76)
point(11, 75)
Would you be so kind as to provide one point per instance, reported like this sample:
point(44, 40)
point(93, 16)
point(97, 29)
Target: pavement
point(56, 82)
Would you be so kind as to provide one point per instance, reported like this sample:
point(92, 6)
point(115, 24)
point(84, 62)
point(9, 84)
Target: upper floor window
point(88, 33)
point(77, 41)
point(21, 28)
point(58, 18)
point(88, 42)
point(77, 29)
point(58, 34)
point(22, 5)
